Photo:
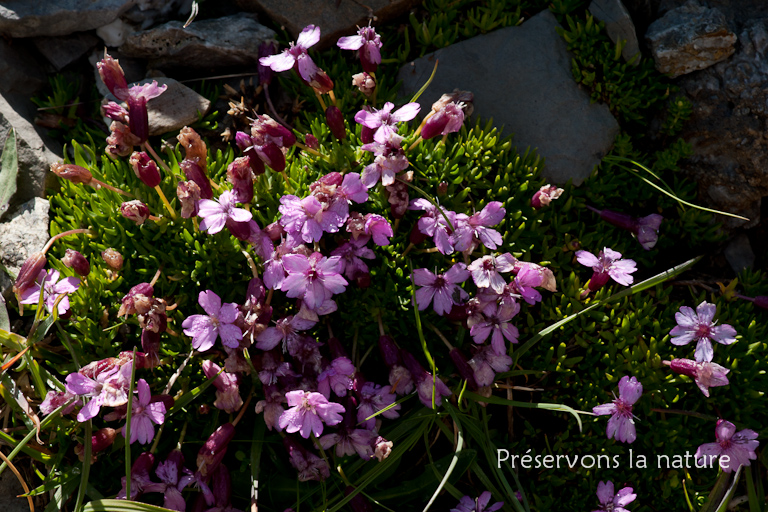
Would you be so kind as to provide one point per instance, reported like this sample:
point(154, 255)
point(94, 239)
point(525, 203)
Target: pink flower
point(738, 447)
point(314, 279)
point(215, 214)
point(699, 326)
point(379, 228)
point(296, 55)
point(337, 377)
point(446, 120)
point(368, 44)
point(375, 398)
point(350, 253)
point(434, 224)
point(306, 219)
point(545, 195)
point(52, 288)
point(486, 363)
point(467, 504)
point(384, 121)
point(308, 410)
point(646, 229)
point(145, 413)
point(496, 324)
point(174, 477)
point(219, 322)
point(227, 388)
point(285, 330)
point(705, 374)
point(442, 287)
point(474, 230)
point(621, 426)
point(614, 503)
point(108, 387)
point(485, 271)
point(608, 264)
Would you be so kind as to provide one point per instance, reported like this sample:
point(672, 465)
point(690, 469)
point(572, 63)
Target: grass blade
point(459, 447)
point(549, 407)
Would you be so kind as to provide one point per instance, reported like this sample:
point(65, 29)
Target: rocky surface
point(64, 50)
point(690, 38)
point(335, 18)
point(207, 44)
point(31, 18)
point(618, 25)
point(728, 125)
point(521, 77)
point(176, 108)
point(21, 73)
point(25, 233)
point(10, 488)
point(739, 253)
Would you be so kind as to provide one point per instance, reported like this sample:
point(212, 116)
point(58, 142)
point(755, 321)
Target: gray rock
point(336, 18)
point(690, 38)
point(20, 71)
point(10, 488)
point(521, 76)
point(29, 18)
point(208, 44)
point(728, 125)
point(36, 152)
point(739, 253)
point(618, 25)
point(115, 33)
point(64, 50)
point(23, 235)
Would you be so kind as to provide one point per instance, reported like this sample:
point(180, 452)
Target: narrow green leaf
point(454, 460)
point(9, 169)
point(190, 395)
point(87, 444)
point(549, 407)
point(122, 506)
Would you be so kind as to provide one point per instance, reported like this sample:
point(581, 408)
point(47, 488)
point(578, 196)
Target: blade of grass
point(454, 460)
point(549, 407)
point(128, 428)
point(754, 502)
point(87, 444)
point(48, 419)
point(122, 506)
point(426, 84)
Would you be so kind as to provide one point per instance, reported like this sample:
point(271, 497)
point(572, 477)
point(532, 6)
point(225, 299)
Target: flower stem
point(320, 99)
point(157, 158)
point(128, 429)
point(63, 234)
point(416, 142)
point(165, 202)
point(272, 108)
point(333, 97)
point(94, 181)
point(244, 407)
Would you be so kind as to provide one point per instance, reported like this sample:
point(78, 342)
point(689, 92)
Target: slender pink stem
point(65, 233)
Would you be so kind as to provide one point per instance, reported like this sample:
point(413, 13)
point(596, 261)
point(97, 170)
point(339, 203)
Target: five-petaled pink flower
point(699, 326)
point(610, 502)
point(313, 279)
point(52, 288)
point(368, 44)
point(621, 426)
point(219, 322)
point(467, 504)
point(485, 271)
point(145, 413)
point(384, 121)
point(739, 447)
point(296, 55)
point(308, 410)
point(217, 213)
point(607, 265)
point(705, 374)
point(443, 288)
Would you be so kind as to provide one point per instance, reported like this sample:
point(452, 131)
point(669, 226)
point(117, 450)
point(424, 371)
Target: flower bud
point(364, 83)
point(363, 280)
point(103, 439)
point(135, 210)
point(274, 231)
point(150, 344)
point(115, 112)
point(154, 319)
point(189, 194)
point(71, 172)
point(442, 188)
point(113, 77)
point(417, 237)
point(128, 307)
point(382, 448)
point(112, 258)
point(462, 365)
point(389, 351)
point(464, 98)
point(195, 173)
point(245, 143)
point(145, 169)
point(447, 120)
point(321, 82)
point(194, 147)
point(138, 118)
point(76, 262)
point(684, 367)
point(545, 195)
point(311, 142)
point(366, 134)
point(335, 121)
point(240, 176)
point(240, 230)
point(761, 301)
point(29, 272)
point(121, 140)
point(212, 452)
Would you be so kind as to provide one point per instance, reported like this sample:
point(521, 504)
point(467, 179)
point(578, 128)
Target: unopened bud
point(189, 194)
point(145, 169)
point(366, 134)
point(311, 142)
point(138, 118)
point(240, 176)
point(212, 452)
point(113, 77)
point(684, 367)
point(442, 188)
point(112, 258)
point(29, 272)
point(102, 439)
point(364, 83)
point(462, 365)
point(274, 231)
point(389, 351)
point(363, 280)
point(335, 121)
point(76, 262)
point(240, 230)
point(195, 173)
point(761, 301)
point(135, 210)
point(321, 82)
point(71, 172)
point(545, 195)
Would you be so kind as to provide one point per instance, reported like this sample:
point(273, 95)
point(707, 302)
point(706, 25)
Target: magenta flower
point(375, 398)
point(219, 322)
point(285, 330)
point(314, 279)
point(174, 477)
point(109, 387)
point(433, 223)
point(646, 229)
point(384, 121)
point(227, 388)
point(350, 253)
point(705, 374)
point(496, 324)
point(475, 229)
point(306, 219)
point(308, 410)
point(699, 326)
point(296, 55)
point(545, 195)
point(608, 264)
point(368, 44)
point(337, 377)
point(467, 504)
point(485, 271)
point(349, 442)
point(379, 228)
point(621, 426)
point(442, 287)
point(52, 288)
point(390, 159)
point(55, 399)
point(486, 364)
point(145, 413)
point(215, 214)
point(738, 447)
point(613, 503)
point(446, 120)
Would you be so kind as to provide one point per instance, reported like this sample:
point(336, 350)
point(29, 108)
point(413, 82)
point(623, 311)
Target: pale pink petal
point(280, 62)
point(350, 42)
point(309, 36)
point(406, 112)
point(230, 335)
point(210, 302)
point(587, 259)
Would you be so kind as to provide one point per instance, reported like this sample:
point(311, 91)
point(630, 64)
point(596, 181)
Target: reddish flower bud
point(76, 262)
point(240, 230)
point(366, 134)
point(462, 365)
point(71, 172)
point(127, 307)
point(363, 280)
point(389, 351)
point(113, 77)
point(545, 195)
point(145, 169)
point(212, 452)
point(311, 142)
point(102, 439)
point(274, 231)
point(112, 258)
point(447, 120)
point(761, 301)
point(189, 194)
point(335, 120)
point(29, 272)
point(321, 82)
point(442, 188)
point(195, 173)
point(364, 83)
point(240, 176)
point(150, 344)
point(417, 237)
point(135, 210)
point(138, 118)
point(194, 147)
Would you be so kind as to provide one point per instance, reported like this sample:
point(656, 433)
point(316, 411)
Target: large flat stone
point(207, 44)
point(64, 50)
point(21, 236)
point(521, 77)
point(336, 18)
point(31, 18)
point(618, 25)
